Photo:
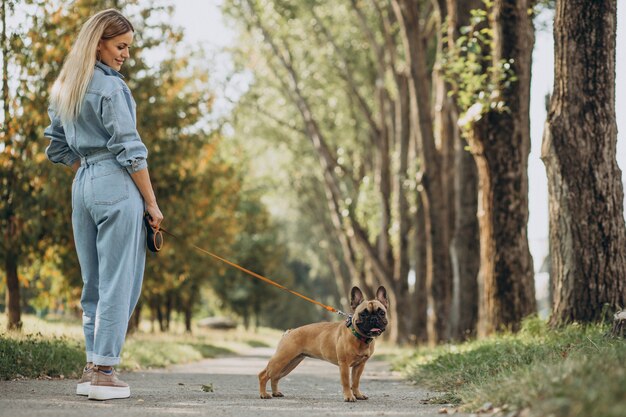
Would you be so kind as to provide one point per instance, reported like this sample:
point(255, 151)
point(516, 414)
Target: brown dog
point(347, 344)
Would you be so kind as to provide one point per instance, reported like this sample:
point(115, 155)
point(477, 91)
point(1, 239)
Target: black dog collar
point(366, 340)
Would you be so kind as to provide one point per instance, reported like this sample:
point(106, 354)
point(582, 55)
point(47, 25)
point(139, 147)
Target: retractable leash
point(254, 274)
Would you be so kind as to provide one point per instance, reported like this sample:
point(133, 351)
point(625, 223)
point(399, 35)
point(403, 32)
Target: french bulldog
point(348, 344)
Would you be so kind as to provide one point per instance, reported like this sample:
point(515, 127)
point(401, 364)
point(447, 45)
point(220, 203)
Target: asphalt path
point(230, 389)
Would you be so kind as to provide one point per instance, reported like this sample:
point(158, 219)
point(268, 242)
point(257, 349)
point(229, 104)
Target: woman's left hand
point(156, 217)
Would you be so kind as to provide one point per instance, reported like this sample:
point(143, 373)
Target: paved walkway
point(313, 389)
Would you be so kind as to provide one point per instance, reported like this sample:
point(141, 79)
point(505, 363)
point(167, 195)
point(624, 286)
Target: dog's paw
point(277, 394)
point(266, 396)
point(360, 396)
point(349, 398)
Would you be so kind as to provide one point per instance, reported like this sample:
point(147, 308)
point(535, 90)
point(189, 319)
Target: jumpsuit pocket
point(110, 187)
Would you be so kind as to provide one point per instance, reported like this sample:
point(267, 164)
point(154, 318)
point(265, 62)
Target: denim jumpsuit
point(107, 208)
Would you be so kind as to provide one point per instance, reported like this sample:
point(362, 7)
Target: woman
point(93, 131)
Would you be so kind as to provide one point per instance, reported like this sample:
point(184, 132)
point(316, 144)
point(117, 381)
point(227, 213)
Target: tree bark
point(465, 245)
point(500, 143)
point(587, 230)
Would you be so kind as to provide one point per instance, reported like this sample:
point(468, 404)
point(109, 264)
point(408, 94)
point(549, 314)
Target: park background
point(235, 172)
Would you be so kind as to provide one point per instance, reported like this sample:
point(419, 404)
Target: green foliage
point(476, 81)
point(32, 356)
point(260, 248)
point(567, 372)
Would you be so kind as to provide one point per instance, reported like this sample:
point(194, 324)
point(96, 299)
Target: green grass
point(32, 356)
point(573, 371)
point(55, 347)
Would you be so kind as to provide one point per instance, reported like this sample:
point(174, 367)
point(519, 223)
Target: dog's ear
point(356, 297)
point(381, 295)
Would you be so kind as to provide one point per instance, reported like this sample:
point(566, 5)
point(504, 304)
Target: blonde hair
point(68, 91)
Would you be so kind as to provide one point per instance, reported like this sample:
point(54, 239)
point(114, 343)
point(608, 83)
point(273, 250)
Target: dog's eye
point(363, 314)
point(381, 313)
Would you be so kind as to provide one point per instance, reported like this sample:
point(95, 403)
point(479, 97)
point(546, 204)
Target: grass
point(573, 371)
point(55, 348)
point(33, 356)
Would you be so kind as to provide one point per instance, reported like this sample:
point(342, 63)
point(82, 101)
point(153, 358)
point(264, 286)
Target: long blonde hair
point(69, 89)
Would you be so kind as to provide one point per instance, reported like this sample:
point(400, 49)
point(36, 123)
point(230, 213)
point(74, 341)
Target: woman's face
point(113, 52)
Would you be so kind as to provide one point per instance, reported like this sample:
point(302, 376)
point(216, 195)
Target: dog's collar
point(366, 340)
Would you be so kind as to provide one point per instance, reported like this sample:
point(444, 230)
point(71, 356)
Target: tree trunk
point(160, 317)
point(188, 313)
point(500, 143)
point(434, 197)
point(446, 132)
point(465, 245)
point(14, 311)
point(420, 306)
point(402, 263)
point(169, 305)
point(587, 231)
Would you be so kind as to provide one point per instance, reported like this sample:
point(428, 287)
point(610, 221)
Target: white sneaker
point(106, 386)
point(82, 388)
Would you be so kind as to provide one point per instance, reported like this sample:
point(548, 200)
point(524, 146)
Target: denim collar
point(108, 70)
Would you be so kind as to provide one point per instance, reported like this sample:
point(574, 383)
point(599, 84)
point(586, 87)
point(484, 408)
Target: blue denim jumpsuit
point(107, 208)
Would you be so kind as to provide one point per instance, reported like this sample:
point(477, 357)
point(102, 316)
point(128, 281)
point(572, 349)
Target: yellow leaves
point(40, 158)
point(23, 280)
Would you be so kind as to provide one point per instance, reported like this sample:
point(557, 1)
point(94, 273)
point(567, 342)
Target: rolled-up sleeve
point(58, 150)
point(125, 142)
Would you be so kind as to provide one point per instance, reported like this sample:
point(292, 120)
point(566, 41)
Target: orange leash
point(261, 277)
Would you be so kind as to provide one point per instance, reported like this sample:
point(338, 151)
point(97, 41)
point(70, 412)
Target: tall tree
point(434, 195)
point(7, 164)
point(587, 231)
point(465, 244)
point(499, 138)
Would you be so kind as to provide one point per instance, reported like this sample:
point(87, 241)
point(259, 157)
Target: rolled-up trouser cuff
point(105, 360)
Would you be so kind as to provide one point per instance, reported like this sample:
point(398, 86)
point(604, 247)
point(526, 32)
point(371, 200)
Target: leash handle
point(258, 276)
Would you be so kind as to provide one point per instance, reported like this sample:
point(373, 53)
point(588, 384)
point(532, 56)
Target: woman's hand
point(142, 180)
point(156, 217)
